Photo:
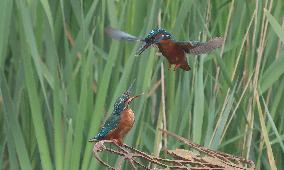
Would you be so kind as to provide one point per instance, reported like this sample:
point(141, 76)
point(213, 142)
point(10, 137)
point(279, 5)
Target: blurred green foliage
point(60, 75)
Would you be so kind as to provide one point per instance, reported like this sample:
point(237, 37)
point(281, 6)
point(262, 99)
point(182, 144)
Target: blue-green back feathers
point(119, 105)
point(110, 124)
point(113, 121)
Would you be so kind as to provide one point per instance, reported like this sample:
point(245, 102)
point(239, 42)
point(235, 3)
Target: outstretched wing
point(120, 35)
point(196, 47)
point(110, 125)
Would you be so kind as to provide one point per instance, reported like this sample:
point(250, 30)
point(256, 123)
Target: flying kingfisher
point(174, 51)
point(120, 121)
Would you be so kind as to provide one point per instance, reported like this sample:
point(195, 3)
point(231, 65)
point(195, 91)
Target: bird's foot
point(117, 142)
point(99, 146)
point(177, 66)
point(169, 67)
point(120, 145)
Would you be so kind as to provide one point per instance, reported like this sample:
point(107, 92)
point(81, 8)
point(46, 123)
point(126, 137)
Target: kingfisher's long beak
point(143, 48)
point(132, 98)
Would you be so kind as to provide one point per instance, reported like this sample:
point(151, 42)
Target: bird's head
point(124, 100)
point(154, 37)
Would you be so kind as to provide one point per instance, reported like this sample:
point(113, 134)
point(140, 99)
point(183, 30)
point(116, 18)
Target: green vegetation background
point(60, 75)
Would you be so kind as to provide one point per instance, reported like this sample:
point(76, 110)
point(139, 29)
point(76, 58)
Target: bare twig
point(202, 158)
point(218, 157)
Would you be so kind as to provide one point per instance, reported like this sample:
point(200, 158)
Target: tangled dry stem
point(196, 158)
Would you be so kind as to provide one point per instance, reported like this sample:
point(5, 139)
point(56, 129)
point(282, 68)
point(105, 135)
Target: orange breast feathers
point(166, 45)
point(126, 123)
point(171, 51)
point(174, 53)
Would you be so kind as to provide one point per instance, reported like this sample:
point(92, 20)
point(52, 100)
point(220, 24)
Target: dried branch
point(215, 158)
point(198, 157)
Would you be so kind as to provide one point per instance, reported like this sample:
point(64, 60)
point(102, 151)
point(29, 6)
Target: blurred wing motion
point(196, 47)
point(120, 35)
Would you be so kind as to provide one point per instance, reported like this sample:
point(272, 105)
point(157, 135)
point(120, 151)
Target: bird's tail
point(94, 139)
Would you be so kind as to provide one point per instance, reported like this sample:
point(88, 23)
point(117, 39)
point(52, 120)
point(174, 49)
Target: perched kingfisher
point(120, 121)
point(174, 51)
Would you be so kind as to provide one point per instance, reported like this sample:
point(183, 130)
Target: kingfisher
point(174, 51)
point(120, 121)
